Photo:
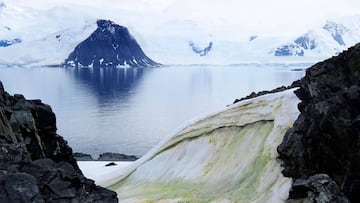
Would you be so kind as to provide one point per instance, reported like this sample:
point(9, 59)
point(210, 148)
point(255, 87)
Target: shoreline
point(106, 156)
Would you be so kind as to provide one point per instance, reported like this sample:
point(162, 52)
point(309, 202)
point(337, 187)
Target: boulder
point(319, 188)
point(111, 164)
point(19, 187)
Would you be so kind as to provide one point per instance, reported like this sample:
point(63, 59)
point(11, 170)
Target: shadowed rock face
point(326, 136)
point(109, 45)
point(36, 164)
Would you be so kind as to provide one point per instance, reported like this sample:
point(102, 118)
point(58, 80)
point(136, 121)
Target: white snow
point(225, 157)
point(163, 30)
point(97, 170)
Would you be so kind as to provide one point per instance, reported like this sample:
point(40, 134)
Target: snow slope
point(96, 170)
point(229, 156)
point(50, 50)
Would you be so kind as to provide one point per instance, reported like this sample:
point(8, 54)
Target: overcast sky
point(239, 17)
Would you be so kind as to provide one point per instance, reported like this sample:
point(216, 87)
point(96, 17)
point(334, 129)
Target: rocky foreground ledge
point(322, 151)
point(36, 164)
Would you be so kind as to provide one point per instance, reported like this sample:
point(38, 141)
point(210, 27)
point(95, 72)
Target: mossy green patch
point(203, 189)
point(211, 139)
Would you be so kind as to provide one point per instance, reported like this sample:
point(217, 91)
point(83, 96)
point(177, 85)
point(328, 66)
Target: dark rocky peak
point(291, 49)
point(106, 29)
point(325, 139)
point(5, 42)
point(306, 41)
point(110, 45)
point(252, 37)
point(201, 51)
point(297, 47)
point(336, 30)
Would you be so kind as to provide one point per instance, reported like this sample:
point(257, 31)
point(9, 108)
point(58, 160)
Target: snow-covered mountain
point(329, 39)
point(31, 36)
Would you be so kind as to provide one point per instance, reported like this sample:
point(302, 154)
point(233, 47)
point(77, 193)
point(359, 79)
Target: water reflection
point(108, 83)
point(129, 110)
point(201, 82)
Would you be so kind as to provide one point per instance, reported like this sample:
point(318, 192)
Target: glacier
point(227, 156)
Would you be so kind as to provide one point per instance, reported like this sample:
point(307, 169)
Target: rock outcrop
point(108, 156)
point(201, 51)
point(82, 157)
point(109, 45)
point(36, 164)
point(317, 188)
point(325, 138)
point(261, 93)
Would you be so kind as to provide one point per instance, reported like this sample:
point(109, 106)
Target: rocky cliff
point(109, 45)
point(36, 164)
point(325, 138)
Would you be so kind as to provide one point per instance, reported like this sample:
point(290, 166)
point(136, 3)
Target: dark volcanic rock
point(82, 157)
point(36, 164)
point(111, 164)
point(108, 46)
point(289, 50)
point(19, 187)
point(34, 124)
point(108, 156)
point(317, 188)
point(326, 136)
point(258, 94)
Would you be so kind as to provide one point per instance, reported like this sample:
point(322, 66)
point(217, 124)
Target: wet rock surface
point(325, 139)
point(36, 164)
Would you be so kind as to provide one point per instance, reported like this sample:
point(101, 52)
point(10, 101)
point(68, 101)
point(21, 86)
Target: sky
point(229, 18)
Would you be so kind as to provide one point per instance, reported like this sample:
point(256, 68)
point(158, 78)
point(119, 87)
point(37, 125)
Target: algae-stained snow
point(229, 156)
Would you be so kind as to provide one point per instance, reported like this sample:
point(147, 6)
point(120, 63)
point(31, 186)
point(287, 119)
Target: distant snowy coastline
point(43, 38)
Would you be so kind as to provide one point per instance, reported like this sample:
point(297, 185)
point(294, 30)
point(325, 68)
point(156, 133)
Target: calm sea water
point(130, 110)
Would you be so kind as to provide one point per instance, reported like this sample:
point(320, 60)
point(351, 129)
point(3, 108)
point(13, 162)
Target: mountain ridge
point(167, 42)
